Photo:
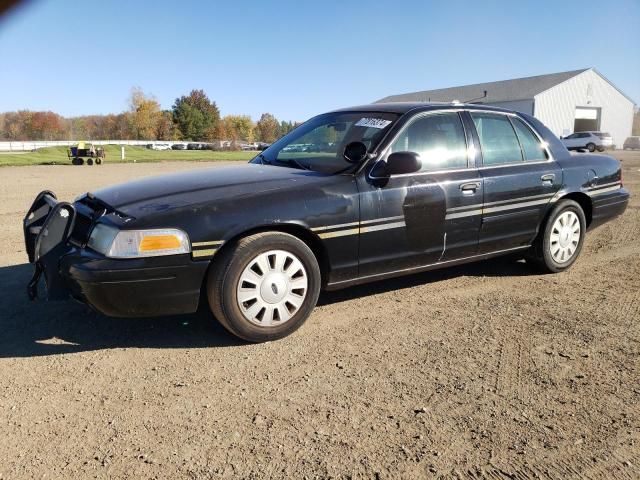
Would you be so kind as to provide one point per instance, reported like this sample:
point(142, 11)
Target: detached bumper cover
point(120, 288)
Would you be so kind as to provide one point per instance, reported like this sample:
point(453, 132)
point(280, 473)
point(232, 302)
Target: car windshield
point(319, 143)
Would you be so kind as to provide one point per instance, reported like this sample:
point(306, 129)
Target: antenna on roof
point(479, 98)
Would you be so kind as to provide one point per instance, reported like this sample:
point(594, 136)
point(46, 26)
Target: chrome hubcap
point(565, 237)
point(272, 288)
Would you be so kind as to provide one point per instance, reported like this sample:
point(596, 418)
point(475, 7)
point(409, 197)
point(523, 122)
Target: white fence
point(28, 146)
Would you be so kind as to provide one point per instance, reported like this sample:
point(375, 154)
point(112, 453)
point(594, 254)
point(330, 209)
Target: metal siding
point(556, 107)
point(524, 106)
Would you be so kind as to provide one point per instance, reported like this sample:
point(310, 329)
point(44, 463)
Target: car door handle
point(548, 178)
point(469, 188)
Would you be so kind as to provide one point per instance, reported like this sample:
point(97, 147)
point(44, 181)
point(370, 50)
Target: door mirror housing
point(399, 163)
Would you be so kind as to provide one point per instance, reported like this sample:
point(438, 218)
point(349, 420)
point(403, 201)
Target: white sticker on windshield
point(373, 122)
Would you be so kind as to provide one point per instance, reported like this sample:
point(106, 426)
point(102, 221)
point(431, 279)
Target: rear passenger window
point(531, 146)
point(439, 140)
point(497, 139)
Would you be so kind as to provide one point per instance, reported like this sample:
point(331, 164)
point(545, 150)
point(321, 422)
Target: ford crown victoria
point(350, 196)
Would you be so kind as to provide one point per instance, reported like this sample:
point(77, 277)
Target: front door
point(422, 218)
point(520, 179)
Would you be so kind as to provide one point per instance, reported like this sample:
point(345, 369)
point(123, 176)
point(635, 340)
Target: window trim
point(524, 157)
point(498, 114)
point(471, 153)
point(543, 142)
point(474, 152)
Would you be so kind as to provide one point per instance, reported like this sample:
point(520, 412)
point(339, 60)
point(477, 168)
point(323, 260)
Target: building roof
point(502, 91)
point(404, 107)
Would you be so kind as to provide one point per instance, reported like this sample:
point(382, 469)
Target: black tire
point(591, 147)
point(98, 161)
point(601, 149)
point(224, 276)
point(77, 161)
point(540, 253)
point(89, 161)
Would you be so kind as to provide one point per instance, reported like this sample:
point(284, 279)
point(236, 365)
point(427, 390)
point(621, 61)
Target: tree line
point(193, 117)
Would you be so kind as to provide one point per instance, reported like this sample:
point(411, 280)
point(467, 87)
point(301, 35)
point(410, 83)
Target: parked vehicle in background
point(178, 146)
point(194, 146)
point(86, 152)
point(161, 146)
point(590, 141)
point(631, 143)
point(401, 188)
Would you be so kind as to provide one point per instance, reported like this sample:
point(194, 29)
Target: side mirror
point(355, 152)
point(399, 163)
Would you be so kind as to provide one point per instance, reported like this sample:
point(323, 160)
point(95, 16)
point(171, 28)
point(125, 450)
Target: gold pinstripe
point(206, 244)
point(204, 253)
point(339, 233)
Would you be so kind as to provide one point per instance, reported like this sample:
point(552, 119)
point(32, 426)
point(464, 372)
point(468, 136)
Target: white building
point(565, 102)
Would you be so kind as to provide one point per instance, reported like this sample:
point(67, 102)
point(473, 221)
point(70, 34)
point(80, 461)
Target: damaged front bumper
point(55, 238)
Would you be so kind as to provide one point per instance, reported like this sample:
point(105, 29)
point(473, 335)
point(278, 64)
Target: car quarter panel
point(597, 178)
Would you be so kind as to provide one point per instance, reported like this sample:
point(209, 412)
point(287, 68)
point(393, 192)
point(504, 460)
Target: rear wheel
point(591, 147)
point(601, 149)
point(265, 287)
point(559, 244)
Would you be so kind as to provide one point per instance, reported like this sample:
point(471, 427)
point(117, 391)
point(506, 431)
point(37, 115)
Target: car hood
point(164, 192)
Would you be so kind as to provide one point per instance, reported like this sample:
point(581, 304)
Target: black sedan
point(377, 191)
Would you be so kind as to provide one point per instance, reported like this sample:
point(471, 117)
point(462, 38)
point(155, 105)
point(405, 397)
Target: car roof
point(404, 107)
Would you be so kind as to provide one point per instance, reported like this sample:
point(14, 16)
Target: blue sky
point(298, 58)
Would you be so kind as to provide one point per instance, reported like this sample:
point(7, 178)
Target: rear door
point(520, 178)
point(425, 217)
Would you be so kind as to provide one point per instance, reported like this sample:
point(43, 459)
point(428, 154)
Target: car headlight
point(115, 243)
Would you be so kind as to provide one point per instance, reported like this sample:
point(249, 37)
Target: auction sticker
point(373, 123)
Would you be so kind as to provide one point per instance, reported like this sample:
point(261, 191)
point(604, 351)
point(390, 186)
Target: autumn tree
point(267, 128)
point(197, 117)
point(237, 127)
point(17, 125)
point(166, 129)
point(145, 113)
point(45, 126)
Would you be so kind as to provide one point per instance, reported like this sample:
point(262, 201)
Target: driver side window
point(439, 140)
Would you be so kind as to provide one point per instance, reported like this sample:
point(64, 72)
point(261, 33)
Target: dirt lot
point(478, 371)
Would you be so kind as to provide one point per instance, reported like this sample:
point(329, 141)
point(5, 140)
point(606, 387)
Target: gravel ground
point(486, 370)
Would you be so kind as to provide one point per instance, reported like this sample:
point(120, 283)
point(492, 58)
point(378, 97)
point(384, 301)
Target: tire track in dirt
point(508, 382)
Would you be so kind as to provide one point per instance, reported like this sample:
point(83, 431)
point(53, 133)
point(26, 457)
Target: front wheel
point(265, 287)
point(559, 244)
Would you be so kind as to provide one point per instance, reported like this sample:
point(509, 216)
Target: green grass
point(58, 156)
